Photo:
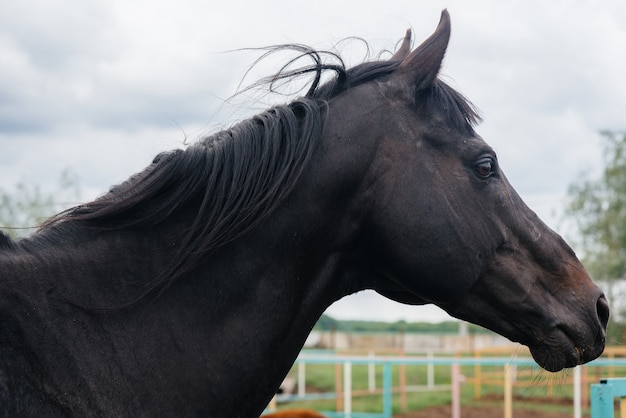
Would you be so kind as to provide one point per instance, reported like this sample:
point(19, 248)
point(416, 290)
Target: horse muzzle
point(573, 342)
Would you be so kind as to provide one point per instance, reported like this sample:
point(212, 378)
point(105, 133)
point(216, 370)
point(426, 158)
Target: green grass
point(321, 378)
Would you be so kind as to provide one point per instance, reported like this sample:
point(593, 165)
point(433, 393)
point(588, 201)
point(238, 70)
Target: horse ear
point(424, 63)
point(405, 48)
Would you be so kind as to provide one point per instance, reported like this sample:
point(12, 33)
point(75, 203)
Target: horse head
point(444, 226)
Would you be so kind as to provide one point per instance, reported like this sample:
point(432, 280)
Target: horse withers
point(190, 289)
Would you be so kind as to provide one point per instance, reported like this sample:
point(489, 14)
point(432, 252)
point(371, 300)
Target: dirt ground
point(481, 412)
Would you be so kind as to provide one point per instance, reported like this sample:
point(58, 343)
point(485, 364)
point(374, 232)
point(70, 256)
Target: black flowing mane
point(5, 241)
point(237, 177)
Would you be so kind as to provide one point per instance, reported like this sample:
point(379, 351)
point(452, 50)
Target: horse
point(190, 288)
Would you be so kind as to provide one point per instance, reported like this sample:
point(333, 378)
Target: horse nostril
point(602, 307)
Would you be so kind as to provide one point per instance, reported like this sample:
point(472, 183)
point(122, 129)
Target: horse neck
point(230, 328)
point(227, 321)
point(43, 281)
point(280, 280)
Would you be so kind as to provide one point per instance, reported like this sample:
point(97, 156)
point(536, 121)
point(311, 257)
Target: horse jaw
point(562, 329)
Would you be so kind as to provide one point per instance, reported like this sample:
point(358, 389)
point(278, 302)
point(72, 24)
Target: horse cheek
point(421, 251)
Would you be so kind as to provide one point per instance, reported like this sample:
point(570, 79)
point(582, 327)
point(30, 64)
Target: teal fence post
point(387, 407)
point(603, 395)
point(602, 400)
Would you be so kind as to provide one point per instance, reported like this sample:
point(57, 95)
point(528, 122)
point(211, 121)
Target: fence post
point(577, 393)
point(585, 386)
point(602, 400)
point(508, 392)
point(301, 379)
point(456, 390)
point(272, 406)
point(604, 394)
point(338, 388)
point(430, 370)
point(347, 389)
point(402, 371)
point(387, 405)
point(371, 373)
point(477, 377)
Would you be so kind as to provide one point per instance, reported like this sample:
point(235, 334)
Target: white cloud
point(370, 306)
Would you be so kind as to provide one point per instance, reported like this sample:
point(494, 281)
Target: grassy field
point(320, 378)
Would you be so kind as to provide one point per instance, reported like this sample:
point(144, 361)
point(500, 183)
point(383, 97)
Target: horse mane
point(6, 243)
point(231, 181)
point(235, 178)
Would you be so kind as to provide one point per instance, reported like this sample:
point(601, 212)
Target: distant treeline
point(328, 323)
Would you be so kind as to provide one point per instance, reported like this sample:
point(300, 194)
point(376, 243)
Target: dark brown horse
point(190, 289)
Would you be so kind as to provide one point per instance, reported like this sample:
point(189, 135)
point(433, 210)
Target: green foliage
point(25, 207)
point(327, 323)
point(598, 206)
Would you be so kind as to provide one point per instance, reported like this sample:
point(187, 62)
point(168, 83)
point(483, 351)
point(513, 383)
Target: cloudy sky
point(100, 87)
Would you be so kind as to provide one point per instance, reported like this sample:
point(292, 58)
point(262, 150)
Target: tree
point(598, 208)
point(24, 208)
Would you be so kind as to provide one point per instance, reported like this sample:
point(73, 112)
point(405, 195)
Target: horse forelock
point(458, 111)
point(322, 62)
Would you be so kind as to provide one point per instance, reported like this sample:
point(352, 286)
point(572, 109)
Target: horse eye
point(485, 167)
